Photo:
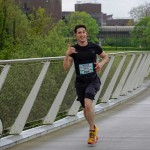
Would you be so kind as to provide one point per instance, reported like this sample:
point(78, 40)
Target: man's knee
point(88, 104)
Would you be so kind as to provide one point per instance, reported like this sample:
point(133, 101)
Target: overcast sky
point(119, 8)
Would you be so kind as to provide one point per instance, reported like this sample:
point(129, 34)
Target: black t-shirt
point(85, 60)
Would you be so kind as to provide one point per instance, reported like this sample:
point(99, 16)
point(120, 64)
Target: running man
point(87, 82)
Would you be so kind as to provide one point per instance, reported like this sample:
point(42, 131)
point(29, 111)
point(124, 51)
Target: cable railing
point(39, 88)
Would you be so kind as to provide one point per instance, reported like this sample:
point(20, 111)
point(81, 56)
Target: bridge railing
point(39, 91)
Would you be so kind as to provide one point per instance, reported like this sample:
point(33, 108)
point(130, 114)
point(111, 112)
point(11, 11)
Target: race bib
point(86, 68)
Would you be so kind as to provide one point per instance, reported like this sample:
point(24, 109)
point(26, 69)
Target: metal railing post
point(131, 76)
point(1, 128)
point(4, 75)
point(50, 117)
point(112, 83)
point(103, 79)
point(138, 73)
point(24, 113)
point(121, 83)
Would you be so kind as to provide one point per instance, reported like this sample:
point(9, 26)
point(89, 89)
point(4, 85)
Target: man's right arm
point(67, 62)
point(68, 59)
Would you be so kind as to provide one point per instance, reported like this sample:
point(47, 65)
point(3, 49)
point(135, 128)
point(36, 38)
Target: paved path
point(124, 127)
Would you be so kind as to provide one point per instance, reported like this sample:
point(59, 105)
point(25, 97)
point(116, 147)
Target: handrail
point(30, 60)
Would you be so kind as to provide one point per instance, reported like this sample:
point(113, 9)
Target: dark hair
point(79, 26)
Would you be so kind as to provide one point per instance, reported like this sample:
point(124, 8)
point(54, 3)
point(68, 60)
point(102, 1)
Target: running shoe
point(92, 138)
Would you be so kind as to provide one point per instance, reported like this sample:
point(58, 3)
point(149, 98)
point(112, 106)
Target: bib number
point(86, 68)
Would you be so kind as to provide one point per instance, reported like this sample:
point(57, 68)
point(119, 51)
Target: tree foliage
point(14, 27)
point(35, 34)
point(24, 36)
point(40, 22)
point(84, 18)
point(117, 42)
point(141, 33)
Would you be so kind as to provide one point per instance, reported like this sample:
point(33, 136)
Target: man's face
point(81, 35)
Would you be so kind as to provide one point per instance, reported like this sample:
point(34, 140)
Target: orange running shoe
point(96, 131)
point(92, 138)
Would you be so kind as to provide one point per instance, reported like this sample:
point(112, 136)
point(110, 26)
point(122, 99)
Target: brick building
point(53, 7)
point(93, 9)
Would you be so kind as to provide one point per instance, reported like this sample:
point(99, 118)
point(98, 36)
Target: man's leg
point(89, 113)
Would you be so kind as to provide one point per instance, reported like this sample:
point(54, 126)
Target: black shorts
point(87, 90)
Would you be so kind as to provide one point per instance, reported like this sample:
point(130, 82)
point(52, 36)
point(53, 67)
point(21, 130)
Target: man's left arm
point(105, 59)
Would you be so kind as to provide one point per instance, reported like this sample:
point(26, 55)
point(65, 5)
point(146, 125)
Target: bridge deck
point(124, 127)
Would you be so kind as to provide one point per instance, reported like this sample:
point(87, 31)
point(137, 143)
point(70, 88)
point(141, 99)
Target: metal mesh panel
point(16, 88)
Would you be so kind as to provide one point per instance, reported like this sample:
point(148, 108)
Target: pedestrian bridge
point(37, 97)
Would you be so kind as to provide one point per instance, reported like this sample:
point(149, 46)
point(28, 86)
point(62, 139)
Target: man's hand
point(68, 60)
point(70, 50)
point(99, 66)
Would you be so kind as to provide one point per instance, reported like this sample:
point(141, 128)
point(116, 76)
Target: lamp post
point(116, 37)
point(147, 11)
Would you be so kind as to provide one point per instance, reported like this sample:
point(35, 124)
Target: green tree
point(37, 44)
point(147, 33)
point(51, 43)
point(40, 22)
point(140, 34)
point(38, 28)
point(62, 28)
point(119, 42)
point(56, 39)
point(83, 18)
point(2, 22)
point(14, 27)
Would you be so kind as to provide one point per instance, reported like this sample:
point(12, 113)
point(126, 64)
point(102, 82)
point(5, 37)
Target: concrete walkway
point(123, 127)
